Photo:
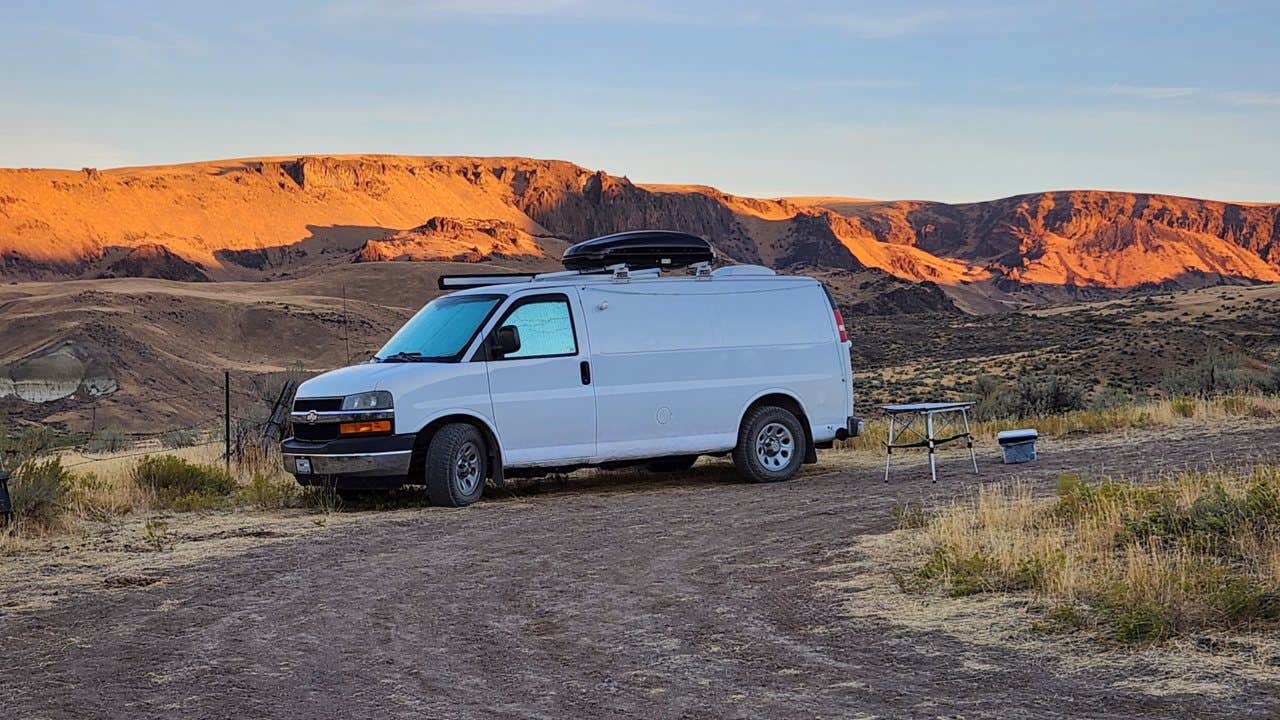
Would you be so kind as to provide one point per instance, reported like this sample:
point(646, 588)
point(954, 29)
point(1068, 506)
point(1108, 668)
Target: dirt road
point(692, 598)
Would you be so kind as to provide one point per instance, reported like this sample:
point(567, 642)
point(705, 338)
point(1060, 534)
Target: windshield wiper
point(405, 357)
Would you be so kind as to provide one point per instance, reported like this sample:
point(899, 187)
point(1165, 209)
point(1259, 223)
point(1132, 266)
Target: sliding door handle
point(585, 367)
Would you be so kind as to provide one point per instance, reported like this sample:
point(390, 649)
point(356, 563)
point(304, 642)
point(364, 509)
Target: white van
point(611, 363)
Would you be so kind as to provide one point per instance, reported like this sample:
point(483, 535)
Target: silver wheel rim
point(775, 446)
point(466, 468)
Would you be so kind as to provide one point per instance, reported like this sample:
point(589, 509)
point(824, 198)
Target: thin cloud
point(863, 20)
point(1150, 92)
point(1166, 93)
point(574, 9)
point(863, 83)
point(150, 41)
point(1248, 97)
point(912, 22)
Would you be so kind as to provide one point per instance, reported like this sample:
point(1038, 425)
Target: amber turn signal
point(360, 428)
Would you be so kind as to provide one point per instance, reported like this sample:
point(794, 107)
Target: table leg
point(969, 435)
point(888, 450)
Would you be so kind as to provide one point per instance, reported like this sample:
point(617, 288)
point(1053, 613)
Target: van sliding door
point(664, 384)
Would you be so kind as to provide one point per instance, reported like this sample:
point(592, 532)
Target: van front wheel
point(457, 464)
point(771, 445)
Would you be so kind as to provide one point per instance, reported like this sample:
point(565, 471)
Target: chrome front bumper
point(374, 464)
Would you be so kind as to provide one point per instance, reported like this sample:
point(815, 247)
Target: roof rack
point(462, 282)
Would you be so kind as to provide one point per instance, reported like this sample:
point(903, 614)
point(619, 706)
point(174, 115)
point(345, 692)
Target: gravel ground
point(687, 597)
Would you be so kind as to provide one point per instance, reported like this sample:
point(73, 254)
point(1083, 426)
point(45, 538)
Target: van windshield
point(440, 331)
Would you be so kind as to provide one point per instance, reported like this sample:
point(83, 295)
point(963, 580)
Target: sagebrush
point(1139, 562)
point(179, 484)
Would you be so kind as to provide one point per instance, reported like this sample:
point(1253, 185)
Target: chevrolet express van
point(616, 361)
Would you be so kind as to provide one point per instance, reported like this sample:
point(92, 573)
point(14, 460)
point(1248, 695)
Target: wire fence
point(252, 412)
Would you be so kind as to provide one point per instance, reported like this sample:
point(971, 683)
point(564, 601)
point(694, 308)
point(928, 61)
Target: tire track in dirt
point(695, 597)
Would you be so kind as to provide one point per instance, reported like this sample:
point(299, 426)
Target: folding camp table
point(934, 420)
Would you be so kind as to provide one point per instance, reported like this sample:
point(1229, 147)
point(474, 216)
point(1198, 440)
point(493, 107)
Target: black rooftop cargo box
point(639, 250)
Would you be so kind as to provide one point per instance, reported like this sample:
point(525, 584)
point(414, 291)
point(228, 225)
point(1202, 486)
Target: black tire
point(452, 446)
point(679, 463)
point(788, 448)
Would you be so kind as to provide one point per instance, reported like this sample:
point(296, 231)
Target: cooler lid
point(1008, 437)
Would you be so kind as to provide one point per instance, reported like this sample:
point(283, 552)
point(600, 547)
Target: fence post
point(6, 505)
point(226, 417)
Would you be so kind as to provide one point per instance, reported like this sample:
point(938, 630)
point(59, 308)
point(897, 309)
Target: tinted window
point(441, 329)
point(545, 329)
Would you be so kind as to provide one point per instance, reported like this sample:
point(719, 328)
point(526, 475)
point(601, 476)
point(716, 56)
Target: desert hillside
point(129, 291)
point(1087, 238)
point(266, 217)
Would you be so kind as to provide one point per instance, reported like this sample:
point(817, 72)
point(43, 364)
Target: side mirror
point(504, 341)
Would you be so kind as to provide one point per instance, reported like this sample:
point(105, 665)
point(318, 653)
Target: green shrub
point(1110, 398)
point(1033, 396)
point(38, 490)
point(179, 438)
point(1244, 406)
point(963, 574)
point(108, 440)
point(1183, 407)
point(1222, 375)
point(1139, 563)
point(1139, 622)
point(993, 399)
point(17, 447)
point(909, 515)
point(1064, 618)
point(1211, 520)
point(1048, 395)
point(266, 494)
point(156, 533)
point(1077, 498)
point(182, 485)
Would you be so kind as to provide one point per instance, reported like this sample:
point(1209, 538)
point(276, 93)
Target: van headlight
point(373, 400)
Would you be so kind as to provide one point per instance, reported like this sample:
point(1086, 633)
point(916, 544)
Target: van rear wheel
point(457, 464)
point(771, 445)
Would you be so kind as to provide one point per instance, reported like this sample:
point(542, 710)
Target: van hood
point(393, 377)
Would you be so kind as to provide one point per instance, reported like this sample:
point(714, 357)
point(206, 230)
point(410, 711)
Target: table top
point(925, 407)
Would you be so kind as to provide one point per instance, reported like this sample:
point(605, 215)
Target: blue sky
point(950, 101)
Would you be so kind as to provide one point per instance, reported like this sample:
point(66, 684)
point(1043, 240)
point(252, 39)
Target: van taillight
point(844, 334)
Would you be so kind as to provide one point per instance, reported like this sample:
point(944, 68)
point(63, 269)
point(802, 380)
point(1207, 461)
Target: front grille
point(317, 404)
point(321, 431)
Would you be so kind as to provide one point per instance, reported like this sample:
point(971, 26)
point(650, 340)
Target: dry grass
point(104, 487)
point(1136, 562)
point(1163, 413)
point(107, 488)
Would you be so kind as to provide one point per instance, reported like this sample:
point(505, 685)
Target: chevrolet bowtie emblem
point(312, 417)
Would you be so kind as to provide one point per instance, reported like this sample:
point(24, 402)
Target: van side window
point(545, 328)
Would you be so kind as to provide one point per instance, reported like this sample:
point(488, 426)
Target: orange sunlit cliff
point(242, 219)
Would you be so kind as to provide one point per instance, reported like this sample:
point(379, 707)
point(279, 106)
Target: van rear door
point(543, 402)
point(844, 356)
